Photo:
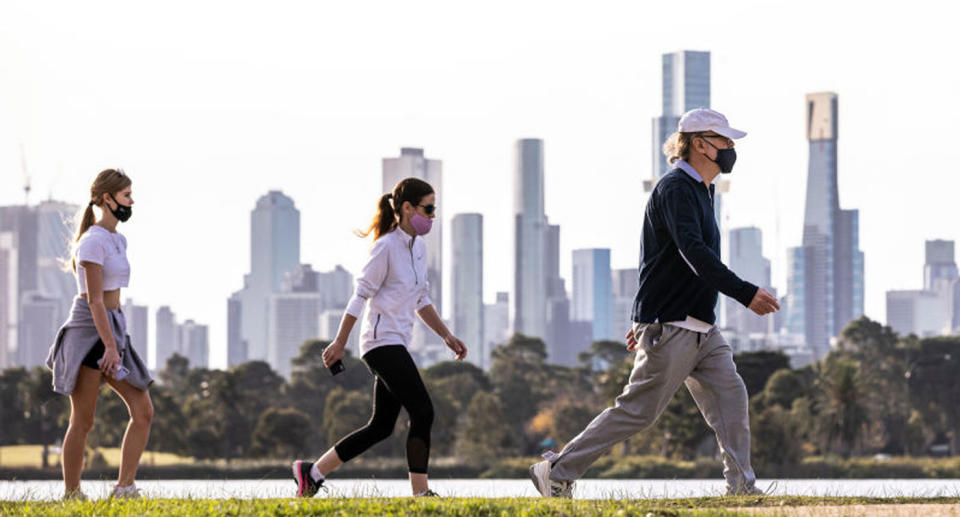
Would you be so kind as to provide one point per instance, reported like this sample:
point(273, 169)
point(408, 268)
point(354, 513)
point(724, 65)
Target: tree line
point(875, 392)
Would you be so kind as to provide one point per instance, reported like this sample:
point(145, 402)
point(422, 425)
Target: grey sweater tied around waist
point(78, 336)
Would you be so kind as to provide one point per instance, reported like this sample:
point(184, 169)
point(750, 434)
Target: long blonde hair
point(678, 145)
point(109, 181)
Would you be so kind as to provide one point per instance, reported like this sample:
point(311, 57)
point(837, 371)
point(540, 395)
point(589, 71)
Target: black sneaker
point(306, 486)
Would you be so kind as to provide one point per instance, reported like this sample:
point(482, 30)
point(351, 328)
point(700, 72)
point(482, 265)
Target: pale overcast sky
point(208, 105)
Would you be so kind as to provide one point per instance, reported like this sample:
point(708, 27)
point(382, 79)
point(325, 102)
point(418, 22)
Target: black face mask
point(122, 212)
point(725, 158)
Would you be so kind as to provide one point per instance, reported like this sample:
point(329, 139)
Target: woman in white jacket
point(393, 286)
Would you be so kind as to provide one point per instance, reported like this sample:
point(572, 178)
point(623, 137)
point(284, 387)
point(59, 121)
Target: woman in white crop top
point(393, 287)
point(92, 346)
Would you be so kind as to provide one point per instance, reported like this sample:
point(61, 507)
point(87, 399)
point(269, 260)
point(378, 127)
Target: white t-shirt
point(108, 249)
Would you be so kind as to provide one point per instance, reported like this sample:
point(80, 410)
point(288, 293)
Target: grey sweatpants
point(668, 356)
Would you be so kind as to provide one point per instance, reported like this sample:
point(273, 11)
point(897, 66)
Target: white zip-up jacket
point(394, 286)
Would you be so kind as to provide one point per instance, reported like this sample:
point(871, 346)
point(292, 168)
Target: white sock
point(315, 473)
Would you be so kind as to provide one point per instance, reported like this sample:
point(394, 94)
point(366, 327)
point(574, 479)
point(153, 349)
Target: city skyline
point(320, 136)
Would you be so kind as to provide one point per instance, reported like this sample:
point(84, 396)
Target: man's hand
point(764, 303)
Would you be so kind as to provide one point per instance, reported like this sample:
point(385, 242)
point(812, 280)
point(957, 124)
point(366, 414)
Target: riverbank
point(632, 467)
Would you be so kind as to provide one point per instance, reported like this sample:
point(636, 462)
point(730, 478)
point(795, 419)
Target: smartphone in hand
point(121, 372)
point(337, 367)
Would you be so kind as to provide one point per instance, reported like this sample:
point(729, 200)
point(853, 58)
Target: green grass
point(701, 507)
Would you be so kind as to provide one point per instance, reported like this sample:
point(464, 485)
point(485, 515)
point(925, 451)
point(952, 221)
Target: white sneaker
point(540, 475)
point(125, 492)
point(746, 490)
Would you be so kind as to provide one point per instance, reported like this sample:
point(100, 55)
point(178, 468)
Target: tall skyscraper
point(413, 164)
point(138, 328)
point(293, 319)
point(558, 303)
point(9, 306)
point(826, 273)
point(236, 345)
point(194, 344)
point(467, 232)
point(530, 226)
point(496, 326)
point(274, 252)
point(747, 261)
point(167, 340)
point(54, 232)
point(592, 293)
point(21, 222)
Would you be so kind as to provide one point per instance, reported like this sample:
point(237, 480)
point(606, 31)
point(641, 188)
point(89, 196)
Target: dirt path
point(872, 510)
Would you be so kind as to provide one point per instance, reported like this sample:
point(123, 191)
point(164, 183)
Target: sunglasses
point(429, 209)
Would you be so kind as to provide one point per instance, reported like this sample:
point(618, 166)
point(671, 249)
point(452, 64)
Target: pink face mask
point(421, 224)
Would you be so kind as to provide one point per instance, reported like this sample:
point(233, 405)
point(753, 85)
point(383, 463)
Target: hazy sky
point(209, 105)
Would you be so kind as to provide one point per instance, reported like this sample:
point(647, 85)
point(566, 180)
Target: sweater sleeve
point(372, 277)
point(681, 214)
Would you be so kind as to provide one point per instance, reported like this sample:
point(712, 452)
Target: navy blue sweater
point(680, 268)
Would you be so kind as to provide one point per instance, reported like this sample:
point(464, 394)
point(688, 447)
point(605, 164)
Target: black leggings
point(397, 383)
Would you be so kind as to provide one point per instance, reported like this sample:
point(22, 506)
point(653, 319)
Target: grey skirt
point(75, 339)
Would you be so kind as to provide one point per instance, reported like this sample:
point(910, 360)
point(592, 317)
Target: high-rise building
point(336, 286)
point(558, 337)
point(592, 294)
point(496, 326)
point(274, 252)
point(54, 232)
point(236, 345)
point(138, 328)
point(747, 261)
point(293, 318)
point(194, 344)
point(39, 321)
point(413, 164)
point(826, 273)
point(940, 263)
point(9, 306)
point(467, 301)
point(167, 340)
point(22, 223)
point(530, 232)
point(931, 311)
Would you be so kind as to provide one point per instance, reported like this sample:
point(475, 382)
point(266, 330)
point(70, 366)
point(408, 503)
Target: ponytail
point(385, 220)
point(87, 219)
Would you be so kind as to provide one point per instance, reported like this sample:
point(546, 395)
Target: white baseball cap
point(706, 119)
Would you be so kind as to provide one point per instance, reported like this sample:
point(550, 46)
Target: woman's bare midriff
point(111, 299)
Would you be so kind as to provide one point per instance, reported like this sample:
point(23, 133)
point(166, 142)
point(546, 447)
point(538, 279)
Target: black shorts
point(94, 355)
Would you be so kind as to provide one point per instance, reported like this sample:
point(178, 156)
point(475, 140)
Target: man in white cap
point(673, 319)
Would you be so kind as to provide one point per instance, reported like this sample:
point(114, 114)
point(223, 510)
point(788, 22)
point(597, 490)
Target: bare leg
point(138, 430)
point(418, 482)
point(329, 462)
point(83, 405)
